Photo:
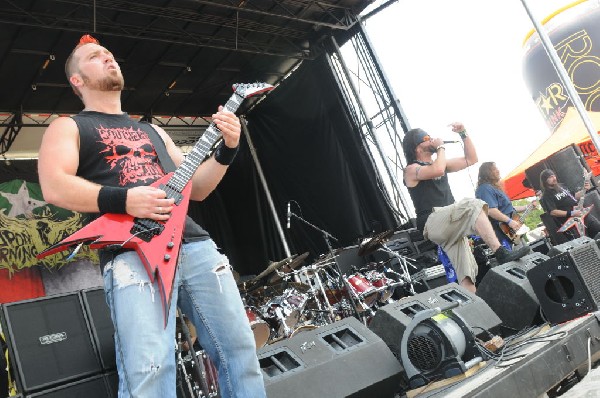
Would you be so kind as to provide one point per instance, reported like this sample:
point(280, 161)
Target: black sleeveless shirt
point(115, 150)
point(428, 194)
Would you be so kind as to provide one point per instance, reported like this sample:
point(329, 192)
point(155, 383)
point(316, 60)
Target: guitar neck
point(186, 170)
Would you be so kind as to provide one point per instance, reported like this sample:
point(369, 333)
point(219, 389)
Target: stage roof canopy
point(179, 57)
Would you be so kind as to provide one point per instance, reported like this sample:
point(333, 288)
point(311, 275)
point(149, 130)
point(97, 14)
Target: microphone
point(289, 215)
point(451, 142)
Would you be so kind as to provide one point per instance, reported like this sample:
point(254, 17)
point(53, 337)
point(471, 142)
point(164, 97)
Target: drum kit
point(287, 298)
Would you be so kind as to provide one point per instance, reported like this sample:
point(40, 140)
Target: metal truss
point(272, 27)
point(372, 105)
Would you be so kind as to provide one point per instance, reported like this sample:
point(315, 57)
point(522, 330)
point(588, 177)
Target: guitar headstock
point(247, 90)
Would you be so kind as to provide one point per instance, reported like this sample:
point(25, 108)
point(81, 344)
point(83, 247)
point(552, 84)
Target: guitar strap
point(161, 150)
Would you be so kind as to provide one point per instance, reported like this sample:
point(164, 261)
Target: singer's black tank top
point(428, 194)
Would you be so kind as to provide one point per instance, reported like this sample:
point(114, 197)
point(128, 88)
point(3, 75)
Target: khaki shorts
point(449, 227)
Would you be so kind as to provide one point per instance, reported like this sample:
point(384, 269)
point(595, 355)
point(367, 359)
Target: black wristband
point(225, 155)
point(112, 200)
point(568, 213)
point(463, 134)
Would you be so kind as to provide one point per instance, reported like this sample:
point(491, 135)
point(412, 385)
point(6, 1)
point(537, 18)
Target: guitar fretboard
point(186, 170)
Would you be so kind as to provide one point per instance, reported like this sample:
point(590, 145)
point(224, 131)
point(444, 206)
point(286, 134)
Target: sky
point(462, 60)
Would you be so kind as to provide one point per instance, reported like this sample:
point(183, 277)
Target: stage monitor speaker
point(568, 284)
point(391, 320)
point(343, 359)
point(101, 326)
point(48, 341)
point(570, 245)
point(93, 387)
point(506, 289)
point(541, 245)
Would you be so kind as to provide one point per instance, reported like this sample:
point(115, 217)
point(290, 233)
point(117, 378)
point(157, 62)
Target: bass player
point(505, 217)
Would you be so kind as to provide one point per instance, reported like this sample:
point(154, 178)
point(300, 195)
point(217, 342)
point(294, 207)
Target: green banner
point(29, 225)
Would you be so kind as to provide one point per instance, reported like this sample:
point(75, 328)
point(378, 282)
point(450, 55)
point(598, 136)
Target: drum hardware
point(404, 262)
point(285, 267)
point(199, 367)
point(192, 388)
point(201, 390)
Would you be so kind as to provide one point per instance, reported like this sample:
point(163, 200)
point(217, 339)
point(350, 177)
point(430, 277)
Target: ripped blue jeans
point(206, 292)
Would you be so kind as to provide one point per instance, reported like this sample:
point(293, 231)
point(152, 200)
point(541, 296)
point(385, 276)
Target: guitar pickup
point(146, 229)
point(172, 193)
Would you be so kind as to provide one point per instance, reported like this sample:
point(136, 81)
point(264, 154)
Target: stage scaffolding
point(375, 109)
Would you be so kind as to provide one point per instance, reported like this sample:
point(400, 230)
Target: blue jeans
point(206, 292)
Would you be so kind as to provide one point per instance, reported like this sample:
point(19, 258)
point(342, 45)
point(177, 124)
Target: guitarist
point(500, 208)
point(102, 161)
point(560, 203)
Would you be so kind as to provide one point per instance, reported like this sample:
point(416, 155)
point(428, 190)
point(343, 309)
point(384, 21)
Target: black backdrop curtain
point(311, 154)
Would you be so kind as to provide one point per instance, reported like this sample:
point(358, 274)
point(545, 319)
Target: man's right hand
point(149, 202)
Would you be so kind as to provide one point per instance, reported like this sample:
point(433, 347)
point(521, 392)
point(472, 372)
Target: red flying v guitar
point(156, 242)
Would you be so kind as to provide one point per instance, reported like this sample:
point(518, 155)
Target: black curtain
point(312, 155)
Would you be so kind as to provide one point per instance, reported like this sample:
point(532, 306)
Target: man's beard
point(431, 149)
point(108, 83)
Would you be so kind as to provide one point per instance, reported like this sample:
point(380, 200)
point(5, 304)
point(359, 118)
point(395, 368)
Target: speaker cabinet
point(568, 164)
point(570, 245)
point(49, 341)
point(391, 320)
point(93, 387)
point(568, 284)
point(552, 227)
point(101, 326)
point(508, 292)
point(347, 258)
point(344, 359)
point(541, 245)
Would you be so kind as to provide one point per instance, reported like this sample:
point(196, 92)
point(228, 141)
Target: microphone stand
point(327, 236)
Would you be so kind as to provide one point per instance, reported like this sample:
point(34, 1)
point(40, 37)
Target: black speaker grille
point(52, 330)
point(424, 352)
point(587, 260)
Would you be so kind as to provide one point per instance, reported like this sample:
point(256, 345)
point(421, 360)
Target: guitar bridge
point(146, 229)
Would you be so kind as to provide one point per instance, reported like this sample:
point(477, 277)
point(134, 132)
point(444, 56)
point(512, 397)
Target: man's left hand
point(229, 125)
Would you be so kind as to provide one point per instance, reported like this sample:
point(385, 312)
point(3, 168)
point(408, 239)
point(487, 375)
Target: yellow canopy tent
point(571, 131)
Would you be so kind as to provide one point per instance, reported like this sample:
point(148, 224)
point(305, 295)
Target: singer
point(443, 221)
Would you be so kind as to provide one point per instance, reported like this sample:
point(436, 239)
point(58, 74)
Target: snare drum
point(259, 327)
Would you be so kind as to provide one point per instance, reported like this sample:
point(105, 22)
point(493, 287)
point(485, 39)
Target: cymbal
point(292, 260)
point(369, 245)
point(288, 267)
